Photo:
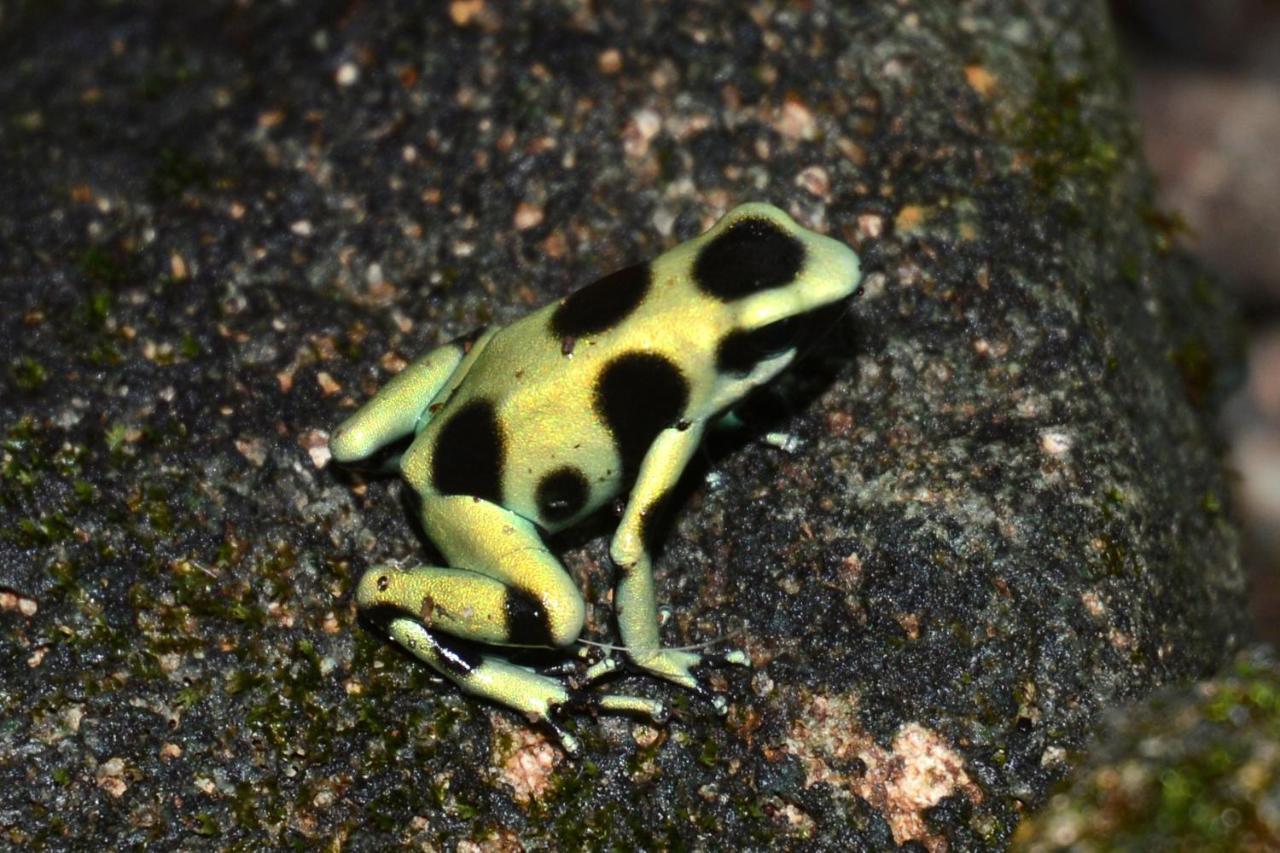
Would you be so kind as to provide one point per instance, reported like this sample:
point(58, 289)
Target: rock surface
point(224, 224)
point(1193, 768)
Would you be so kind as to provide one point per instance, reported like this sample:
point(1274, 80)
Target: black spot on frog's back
point(562, 494)
point(752, 255)
point(603, 304)
point(638, 395)
point(470, 453)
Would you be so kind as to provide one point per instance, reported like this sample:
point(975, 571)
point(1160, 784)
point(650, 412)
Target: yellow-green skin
point(530, 428)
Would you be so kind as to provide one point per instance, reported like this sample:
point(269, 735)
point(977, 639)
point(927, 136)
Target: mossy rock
point(1002, 509)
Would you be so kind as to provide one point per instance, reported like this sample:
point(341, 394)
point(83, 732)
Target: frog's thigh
point(456, 601)
point(395, 411)
point(542, 603)
point(632, 548)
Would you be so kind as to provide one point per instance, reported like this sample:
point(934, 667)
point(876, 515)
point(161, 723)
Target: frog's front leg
point(400, 407)
point(633, 544)
point(502, 587)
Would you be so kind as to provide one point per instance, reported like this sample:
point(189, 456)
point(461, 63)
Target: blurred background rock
point(1207, 90)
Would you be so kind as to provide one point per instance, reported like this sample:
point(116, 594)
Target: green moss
point(115, 436)
point(710, 752)
point(111, 268)
point(1073, 158)
point(104, 354)
point(39, 532)
point(205, 824)
point(1189, 770)
point(27, 373)
point(1195, 365)
point(1206, 293)
point(1131, 268)
point(22, 462)
point(177, 171)
point(189, 347)
point(1168, 227)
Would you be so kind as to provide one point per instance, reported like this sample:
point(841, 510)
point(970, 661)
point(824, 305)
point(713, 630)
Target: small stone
point(527, 216)
point(348, 73)
point(609, 61)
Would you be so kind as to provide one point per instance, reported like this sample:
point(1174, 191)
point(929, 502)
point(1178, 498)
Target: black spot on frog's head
point(562, 494)
point(470, 453)
point(601, 305)
point(752, 255)
point(739, 352)
point(638, 395)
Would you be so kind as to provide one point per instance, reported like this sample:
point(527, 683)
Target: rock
point(1190, 768)
point(999, 509)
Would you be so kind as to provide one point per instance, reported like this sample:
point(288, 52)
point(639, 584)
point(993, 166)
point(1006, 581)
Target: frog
point(518, 432)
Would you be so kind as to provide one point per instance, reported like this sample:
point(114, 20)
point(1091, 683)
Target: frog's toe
point(593, 703)
point(733, 657)
point(601, 668)
point(568, 742)
point(671, 665)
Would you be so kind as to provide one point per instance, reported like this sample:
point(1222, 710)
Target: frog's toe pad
point(733, 657)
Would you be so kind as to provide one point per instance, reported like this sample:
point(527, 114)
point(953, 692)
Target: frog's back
point(552, 415)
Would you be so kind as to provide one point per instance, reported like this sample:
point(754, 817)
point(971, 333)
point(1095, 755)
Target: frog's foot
point(595, 703)
point(677, 667)
point(538, 697)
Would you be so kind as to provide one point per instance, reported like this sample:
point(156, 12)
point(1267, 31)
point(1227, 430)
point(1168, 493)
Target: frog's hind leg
point(503, 587)
point(537, 697)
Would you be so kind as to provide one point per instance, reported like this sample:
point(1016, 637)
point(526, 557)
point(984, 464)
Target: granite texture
point(224, 224)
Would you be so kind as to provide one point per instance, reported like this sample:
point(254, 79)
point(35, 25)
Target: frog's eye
point(752, 255)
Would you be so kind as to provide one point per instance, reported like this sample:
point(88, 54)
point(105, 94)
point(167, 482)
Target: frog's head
point(774, 276)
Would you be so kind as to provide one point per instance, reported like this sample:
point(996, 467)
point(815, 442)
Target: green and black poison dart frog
point(527, 429)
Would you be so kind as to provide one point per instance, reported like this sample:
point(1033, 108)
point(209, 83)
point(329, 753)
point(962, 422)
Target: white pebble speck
point(348, 73)
point(1055, 442)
